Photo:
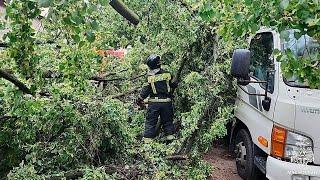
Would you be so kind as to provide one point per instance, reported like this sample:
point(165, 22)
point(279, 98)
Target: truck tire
point(244, 149)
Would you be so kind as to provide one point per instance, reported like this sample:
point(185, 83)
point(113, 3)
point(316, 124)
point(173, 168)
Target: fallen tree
point(83, 131)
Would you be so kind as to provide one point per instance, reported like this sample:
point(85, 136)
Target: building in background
point(36, 24)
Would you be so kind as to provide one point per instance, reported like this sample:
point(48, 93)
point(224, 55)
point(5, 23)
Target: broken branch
point(126, 93)
point(116, 79)
point(15, 81)
point(177, 158)
point(130, 173)
point(4, 118)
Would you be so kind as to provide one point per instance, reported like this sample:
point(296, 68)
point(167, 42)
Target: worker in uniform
point(159, 89)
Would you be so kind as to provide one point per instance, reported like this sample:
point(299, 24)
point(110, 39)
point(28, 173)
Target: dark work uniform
point(160, 89)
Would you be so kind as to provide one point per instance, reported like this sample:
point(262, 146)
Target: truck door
point(250, 109)
point(261, 47)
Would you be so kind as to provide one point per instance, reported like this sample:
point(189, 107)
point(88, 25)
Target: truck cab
point(276, 131)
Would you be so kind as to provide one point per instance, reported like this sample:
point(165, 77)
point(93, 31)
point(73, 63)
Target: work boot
point(147, 140)
point(169, 139)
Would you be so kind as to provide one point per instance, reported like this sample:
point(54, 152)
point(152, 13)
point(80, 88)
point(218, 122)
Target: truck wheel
point(245, 156)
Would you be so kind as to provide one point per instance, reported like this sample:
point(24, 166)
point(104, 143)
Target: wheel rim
point(241, 155)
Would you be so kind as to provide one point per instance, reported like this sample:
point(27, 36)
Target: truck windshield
point(305, 46)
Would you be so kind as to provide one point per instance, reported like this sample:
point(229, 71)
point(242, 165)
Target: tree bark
point(122, 9)
point(181, 67)
point(177, 158)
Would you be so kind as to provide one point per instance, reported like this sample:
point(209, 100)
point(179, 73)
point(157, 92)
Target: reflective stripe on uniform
point(153, 86)
point(159, 100)
point(168, 86)
point(159, 77)
point(147, 140)
point(145, 84)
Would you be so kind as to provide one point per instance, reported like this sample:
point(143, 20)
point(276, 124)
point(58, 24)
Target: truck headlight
point(291, 146)
point(298, 149)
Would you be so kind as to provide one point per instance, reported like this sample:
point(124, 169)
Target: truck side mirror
point(240, 63)
point(240, 66)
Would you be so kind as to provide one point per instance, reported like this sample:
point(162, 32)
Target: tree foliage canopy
point(235, 19)
point(74, 117)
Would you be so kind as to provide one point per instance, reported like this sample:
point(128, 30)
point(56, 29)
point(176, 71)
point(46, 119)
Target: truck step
point(261, 163)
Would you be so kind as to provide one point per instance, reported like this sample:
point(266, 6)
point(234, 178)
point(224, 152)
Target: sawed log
point(122, 9)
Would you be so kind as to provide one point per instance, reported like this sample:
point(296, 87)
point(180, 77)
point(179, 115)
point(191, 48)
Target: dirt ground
point(224, 165)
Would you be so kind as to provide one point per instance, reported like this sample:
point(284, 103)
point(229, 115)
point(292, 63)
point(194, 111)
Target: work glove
point(139, 102)
point(175, 82)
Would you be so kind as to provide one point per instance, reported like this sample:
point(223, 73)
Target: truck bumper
point(281, 170)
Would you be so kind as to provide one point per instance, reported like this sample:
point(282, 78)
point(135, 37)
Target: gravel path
point(224, 166)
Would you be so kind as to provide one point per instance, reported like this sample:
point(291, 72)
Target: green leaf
point(77, 30)
point(45, 3)
point(76, 38)
point(104, 2)
point(94, 24)
point(67, 21)
point(248, 2)
point(33, 88)
point(312, 22)
point(284, 4)
point(90, 36)
point(298, 35)
point(285, 35)
point(238, 17)
point(81, 44)
point(207, 14)
point(254, 28)
point(277, 54)
point(76, 19)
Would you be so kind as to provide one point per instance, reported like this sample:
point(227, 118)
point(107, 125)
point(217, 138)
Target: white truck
point(276, 129)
